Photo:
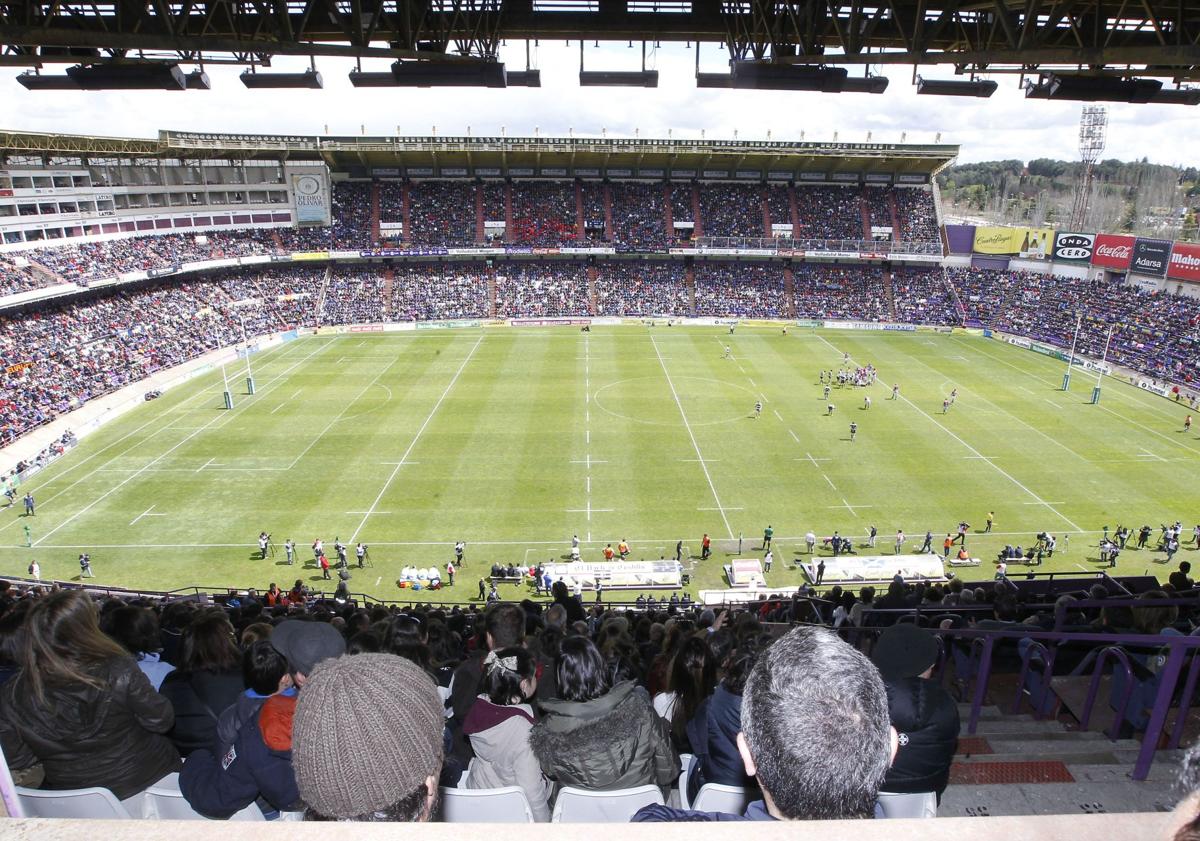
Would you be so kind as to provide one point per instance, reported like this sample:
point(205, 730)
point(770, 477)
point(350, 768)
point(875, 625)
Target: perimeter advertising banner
point(1113, 251)
point(1071, 247)
point(1026, 242)
point(1150, 257)
point(1185, 262)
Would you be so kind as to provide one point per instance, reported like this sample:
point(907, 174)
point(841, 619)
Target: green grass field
point(513, 439)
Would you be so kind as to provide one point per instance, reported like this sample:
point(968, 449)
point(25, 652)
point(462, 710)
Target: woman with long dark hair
point(208, 680)
point(80, 705)
point(690, 681)
point(600, 736)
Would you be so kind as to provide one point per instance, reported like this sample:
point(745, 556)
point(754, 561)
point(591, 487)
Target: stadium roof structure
point(1158, 38)
point(502, 156)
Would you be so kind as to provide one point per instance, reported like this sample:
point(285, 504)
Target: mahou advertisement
point(1113, 252)
point(1185, 262)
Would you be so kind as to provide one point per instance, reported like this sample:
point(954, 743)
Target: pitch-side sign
point(1113, 251)
point(1150, 256)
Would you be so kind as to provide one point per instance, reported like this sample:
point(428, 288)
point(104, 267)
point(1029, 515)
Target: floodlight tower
point(1093, 127)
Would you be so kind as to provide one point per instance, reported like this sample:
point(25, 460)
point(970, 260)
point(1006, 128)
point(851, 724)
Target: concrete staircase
point(389, 277)
point(865, 213)
point(608, 219)
point(962, 309)
point(698, 229)
point(889, 293)
point(1017, 765)
point(480, 228)
point(668, 214)
point(895, 213)
point(375, 237)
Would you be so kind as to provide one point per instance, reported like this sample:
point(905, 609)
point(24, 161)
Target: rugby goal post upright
point(1100, 368)
point(1066, 386)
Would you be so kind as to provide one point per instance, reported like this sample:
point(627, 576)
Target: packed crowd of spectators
point(544, 214)
point(594, 226)
point(922, 296)
point(639, 219)
point(839, 292)
point(541, 290)
point(742, 290)
point(350, 208)
point(439, 291)
point(353, 296)
point(878, 201)
point(495, 205)
point(641, 288)
point(779, 204)
point(918, 216)
point(732, 210)
point(1156, 333)
point(441, 213)
point(391, 201)
point(14, 278)
point(829, 213)
point(682, 209)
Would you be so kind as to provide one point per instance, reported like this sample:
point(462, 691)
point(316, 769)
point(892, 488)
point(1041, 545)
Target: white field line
point(974, 451)
point(450, 541)
point(1129, 420)
point(695, 446)
point(417, 437)
point(146, 513)
point(107, 447)
point(157, 459)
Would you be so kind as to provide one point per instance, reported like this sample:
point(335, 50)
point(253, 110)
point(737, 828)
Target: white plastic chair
point(164, 801)
point(714, 797)
point(895, 805)
point(578, 805)
point(485, 805)
point(93, 803)
point(688, 762)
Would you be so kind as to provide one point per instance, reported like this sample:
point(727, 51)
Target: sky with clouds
point(1004, 126)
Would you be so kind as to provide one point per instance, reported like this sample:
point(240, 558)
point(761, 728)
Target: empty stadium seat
point(577, 805)
point(485, 805)
point(714, 797)
point(164, 801)
point(892, 805)
point(72, 803)
point(688, 763)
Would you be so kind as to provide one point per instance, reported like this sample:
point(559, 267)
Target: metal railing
point(821, 246)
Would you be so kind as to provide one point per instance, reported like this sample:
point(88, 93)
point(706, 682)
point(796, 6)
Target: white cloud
point(1005, 126)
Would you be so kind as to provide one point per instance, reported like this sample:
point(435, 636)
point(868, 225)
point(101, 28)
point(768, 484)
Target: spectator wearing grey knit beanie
point(367, 740)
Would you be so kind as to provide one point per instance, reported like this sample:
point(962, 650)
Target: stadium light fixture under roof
point(47, 82)
point(309, 79)
point(618, 78)
point(132, 75)
point(768, 76)
point(982, 88)
point(1092, 88)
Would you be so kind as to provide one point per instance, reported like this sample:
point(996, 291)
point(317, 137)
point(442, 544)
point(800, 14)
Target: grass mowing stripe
point(695, 446)
point(161, 456)
point(976, 452)
point(416, 438)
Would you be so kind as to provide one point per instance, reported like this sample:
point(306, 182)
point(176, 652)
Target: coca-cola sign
point(1150, 257)
point(1185, 262)
point(1073, 248)
point(1113, 252)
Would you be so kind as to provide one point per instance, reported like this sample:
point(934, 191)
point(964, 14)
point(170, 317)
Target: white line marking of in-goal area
point(691, 435)
point(415, 439)
point(206, 464)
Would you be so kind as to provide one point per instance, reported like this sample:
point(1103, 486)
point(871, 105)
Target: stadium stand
point(922, 296)
point(537, 290)
point(639, 221)
point(827, 291)
point(829, 212)
point(441, 213)
point(641, 288)
point(918, 216)
point(439, 291)
point(731, 210)
point(351, 209)
point(739, 290)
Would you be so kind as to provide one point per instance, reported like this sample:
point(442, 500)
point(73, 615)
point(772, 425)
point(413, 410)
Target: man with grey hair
point(815, 732)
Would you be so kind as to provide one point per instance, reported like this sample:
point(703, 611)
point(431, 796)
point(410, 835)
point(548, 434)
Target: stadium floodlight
point(129, 75)
point(47, 82)
point(767, 76)
point(524, 78)
point(618, 78)
point(442, 74)
point(359, 79)
point(197, 80)
point(714, 80)
point(1176, 96)
point(309, 79)
point(1092, 88)
point(982, 88)
point(870, 84)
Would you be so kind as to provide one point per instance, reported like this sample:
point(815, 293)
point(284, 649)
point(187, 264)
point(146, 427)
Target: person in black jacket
point(81, 706)
point(208, 680)
point(924, 714)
